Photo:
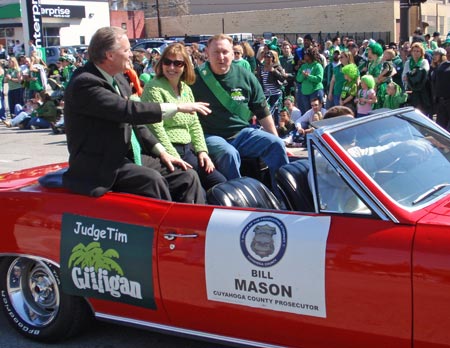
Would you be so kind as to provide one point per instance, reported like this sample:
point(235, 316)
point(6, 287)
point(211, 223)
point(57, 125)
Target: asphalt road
point(20, 149)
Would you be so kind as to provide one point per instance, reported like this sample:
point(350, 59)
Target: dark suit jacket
point(98, 127)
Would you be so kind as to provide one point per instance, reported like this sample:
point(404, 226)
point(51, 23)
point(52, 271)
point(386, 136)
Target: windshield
point(409, 161)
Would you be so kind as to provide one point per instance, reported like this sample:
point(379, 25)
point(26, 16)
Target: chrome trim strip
point(183, 332)
point(33, 257)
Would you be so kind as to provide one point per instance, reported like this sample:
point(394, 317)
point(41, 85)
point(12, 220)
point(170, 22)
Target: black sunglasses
point(176, 63)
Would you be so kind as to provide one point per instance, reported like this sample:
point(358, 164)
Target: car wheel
point(34, 304)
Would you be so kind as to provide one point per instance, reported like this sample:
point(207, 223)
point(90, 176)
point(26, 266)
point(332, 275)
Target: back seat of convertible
point(243, 192)
point(292, 182)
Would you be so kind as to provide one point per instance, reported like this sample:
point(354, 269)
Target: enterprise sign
point(57, 11)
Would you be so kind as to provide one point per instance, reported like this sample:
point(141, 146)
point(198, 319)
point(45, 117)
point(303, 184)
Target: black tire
point(34, 303)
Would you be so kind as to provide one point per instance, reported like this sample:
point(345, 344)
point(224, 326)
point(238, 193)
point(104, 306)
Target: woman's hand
point(205, 162)
point(191, 108)
point(171, 161)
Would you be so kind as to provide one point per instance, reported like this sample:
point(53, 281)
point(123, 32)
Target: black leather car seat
point(292, 181)
point(243, 192)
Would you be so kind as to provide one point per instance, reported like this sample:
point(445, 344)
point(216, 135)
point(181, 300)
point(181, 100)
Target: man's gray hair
point(105, 39)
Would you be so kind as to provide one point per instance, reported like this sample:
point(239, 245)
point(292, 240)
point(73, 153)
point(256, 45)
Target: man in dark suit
point(99, 118)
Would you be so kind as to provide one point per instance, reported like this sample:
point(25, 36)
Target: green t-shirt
point(35, 81)
point(243, 63)
point(67, 73)
point(12, 85)
point(349, 88)
point(243, 87)
point(183, 128)
point(339, 79)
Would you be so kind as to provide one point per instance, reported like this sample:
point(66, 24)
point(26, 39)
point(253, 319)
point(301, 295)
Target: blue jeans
point(21, 117)
point(39, 122)
point(15, 96)
point(298, 96)
point(2, 106)
point(249, 142)
point(335, 101)
point(273, 101)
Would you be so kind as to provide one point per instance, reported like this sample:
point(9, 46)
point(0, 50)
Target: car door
point(287, 279)
point(432, 280)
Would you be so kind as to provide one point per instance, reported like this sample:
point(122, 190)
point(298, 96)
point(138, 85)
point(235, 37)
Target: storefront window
point(51, 37)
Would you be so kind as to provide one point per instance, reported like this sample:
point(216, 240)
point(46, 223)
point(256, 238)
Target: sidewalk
point(20, 149)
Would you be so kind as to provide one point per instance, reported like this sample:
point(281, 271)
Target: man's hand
point(191, 108)
point(268, 125)
point(170, 161)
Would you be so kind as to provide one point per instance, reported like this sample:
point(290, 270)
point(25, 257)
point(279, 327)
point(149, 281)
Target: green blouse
point(183, 128)
point(15, 74)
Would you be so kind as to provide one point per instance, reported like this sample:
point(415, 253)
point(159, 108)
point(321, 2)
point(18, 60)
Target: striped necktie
point(135, 146)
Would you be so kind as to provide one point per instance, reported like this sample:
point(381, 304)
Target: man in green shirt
point(235, 95)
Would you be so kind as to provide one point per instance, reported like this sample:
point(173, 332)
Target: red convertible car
point(356, 255)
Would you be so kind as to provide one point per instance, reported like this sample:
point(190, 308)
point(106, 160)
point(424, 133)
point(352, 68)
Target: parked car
point(52, 54)
point(360, 257)
point(149, 43)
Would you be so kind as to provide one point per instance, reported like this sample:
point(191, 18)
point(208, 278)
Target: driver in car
point(334, 192)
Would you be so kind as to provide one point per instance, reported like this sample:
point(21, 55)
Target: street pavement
point(20, 149)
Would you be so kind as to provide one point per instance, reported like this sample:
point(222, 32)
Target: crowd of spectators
point(34, 90)
point(300, 82)
point(362, 76)
point(304, 70)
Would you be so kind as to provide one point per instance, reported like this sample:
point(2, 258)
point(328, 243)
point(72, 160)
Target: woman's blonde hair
point(248, 50)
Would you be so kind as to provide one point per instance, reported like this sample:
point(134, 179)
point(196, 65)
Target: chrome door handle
point(172, 236)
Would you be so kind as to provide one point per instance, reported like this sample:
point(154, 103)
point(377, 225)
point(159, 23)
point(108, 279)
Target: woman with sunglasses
point(182, 135)
point(272, 77)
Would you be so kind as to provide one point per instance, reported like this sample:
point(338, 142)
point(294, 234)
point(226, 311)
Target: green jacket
point(312, 82)
point(47, 111)
point(396, 100)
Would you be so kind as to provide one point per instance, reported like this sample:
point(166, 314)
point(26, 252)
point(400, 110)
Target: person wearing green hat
point(273, 45)
point(144, 78)
point(350, 87)
point(68, 69)
point(374, 68)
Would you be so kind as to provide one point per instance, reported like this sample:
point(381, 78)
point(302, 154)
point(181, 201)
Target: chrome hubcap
point(33, 291)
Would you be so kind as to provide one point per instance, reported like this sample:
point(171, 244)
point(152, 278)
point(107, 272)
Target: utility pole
point(158, 18)
point(404, 20)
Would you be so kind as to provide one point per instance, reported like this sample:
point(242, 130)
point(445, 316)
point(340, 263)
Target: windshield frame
point(328, 135)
